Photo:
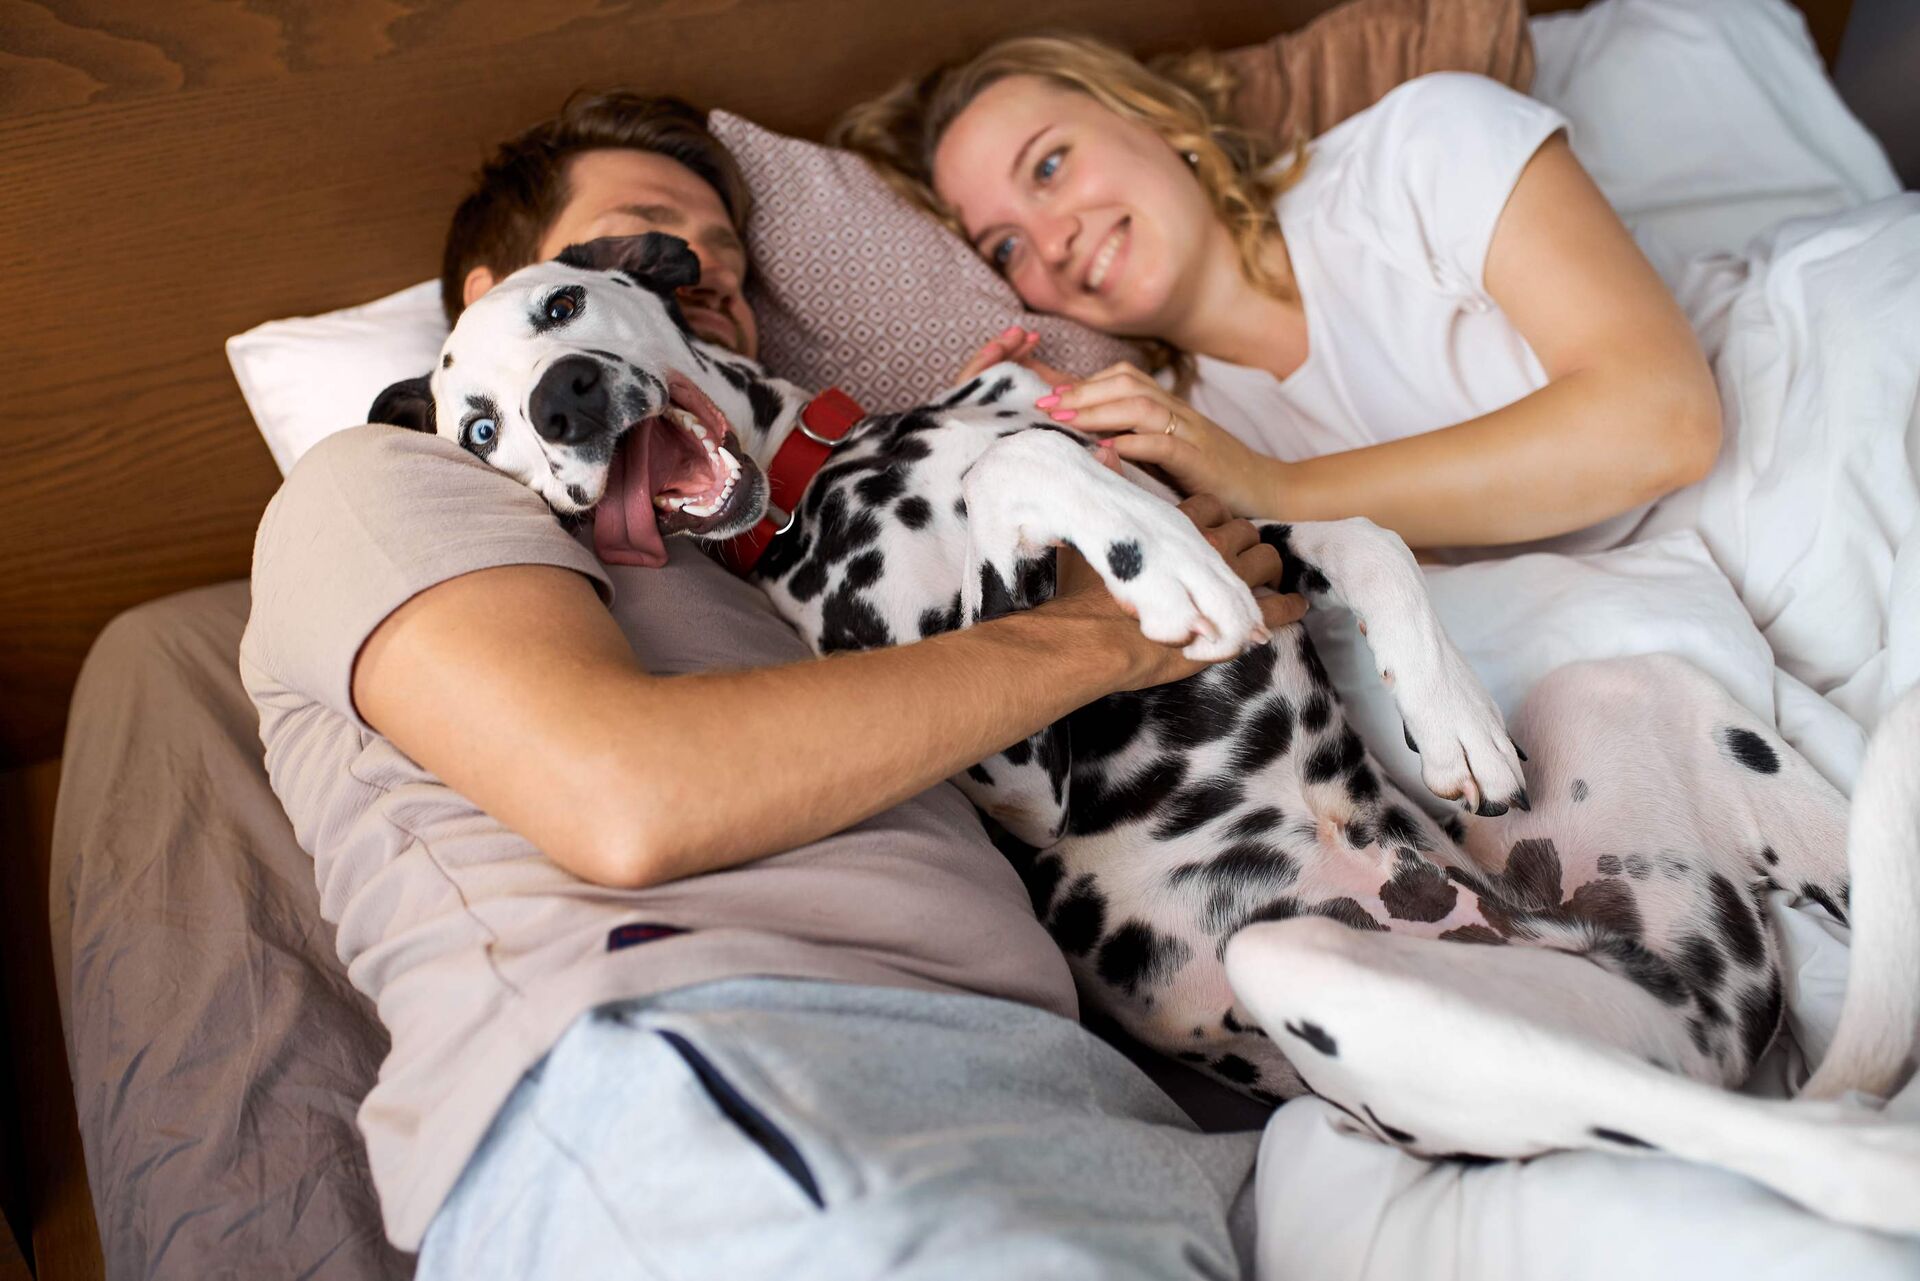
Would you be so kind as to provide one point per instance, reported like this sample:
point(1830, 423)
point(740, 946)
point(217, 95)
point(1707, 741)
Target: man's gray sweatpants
point(768, 1128)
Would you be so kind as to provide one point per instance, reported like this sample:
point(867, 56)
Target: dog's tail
point(1873, 1045)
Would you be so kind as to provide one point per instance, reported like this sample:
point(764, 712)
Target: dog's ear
point(408, 403)
point(661, 262)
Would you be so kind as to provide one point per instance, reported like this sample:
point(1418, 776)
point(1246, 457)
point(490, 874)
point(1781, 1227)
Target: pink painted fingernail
point(1062, 415)
point(1010, 331)
point(1063, 387)
point(1047, 402)
point(1033, 335)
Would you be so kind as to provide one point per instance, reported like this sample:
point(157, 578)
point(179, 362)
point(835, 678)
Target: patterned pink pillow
point(857, 289)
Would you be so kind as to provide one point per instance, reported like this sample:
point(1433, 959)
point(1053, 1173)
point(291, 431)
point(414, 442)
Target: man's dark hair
point(523, 188)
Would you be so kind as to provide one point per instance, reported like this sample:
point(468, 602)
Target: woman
point(1433, 319)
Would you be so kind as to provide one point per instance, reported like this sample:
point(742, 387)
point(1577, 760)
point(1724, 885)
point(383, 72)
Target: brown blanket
point(218, 1051)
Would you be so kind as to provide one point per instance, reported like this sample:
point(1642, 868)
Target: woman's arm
point(1629, 412)
point(515, 687)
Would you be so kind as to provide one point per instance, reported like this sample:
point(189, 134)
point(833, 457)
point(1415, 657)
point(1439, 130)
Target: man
point(692, 963)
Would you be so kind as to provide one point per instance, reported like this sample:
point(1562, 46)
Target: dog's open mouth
point(681, 471)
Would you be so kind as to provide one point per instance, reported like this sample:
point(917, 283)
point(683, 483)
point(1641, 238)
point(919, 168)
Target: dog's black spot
point(1607, 903)
point(1334, 757)
point(1531, 878)
point(1020, 753)
point(1249, 675)
point(1620, 1137)
point(809, 580)
point(1702, 961)
point(1310, 659)
point(766, 404)
point(1245, 865)
point(1000, 388)
point(446, 361)
point(1349, 913)
point(996, 597)
point(935, 622)
point(1233, 1068)
point(1737, 925)
point(1398, 1136)
point(1419, 891)
point(1398, 827)
point(1316, 1036)
point(1197, 805)
point(1580, 792)
point(1191, 712)
point(1137, 954)
point(914, 512)
point(849, 621)
point(1608, 865)
point(1125, 559)
point(1639, 867)
point(1106, 726)
point(1266, 736)
point(1760, 1011)
point(960, 508)
point(1042, 879)
point(863, 571)
point(882, 487)
point(1316, 712)
point(1769, 857)
point(978, 773)
point(1456, 830)
point(1637, 964)
point(1106, 806)
point(1230, 1023)
point(1472, 934)
point(1750, 750)
point(1362, 787)
point(960, 395)
point(1033, 580)
point(1697, 1031)
point(1824, 899)
point(1079, 917)
point(1254, 823)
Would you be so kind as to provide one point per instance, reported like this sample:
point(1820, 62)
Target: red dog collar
point(823, 425)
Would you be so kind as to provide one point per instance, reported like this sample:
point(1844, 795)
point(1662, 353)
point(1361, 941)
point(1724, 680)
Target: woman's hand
point(1146, 423)
point(1017, 345)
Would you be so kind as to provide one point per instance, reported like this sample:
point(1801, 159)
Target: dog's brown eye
point(561, 307)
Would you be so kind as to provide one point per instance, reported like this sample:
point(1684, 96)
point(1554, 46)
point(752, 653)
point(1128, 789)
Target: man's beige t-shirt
point(476, 949)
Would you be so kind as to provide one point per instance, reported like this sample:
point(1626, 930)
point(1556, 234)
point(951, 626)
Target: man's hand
point(1079, 589)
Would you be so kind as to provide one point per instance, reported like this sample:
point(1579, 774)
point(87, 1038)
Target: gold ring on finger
point(1171, 416)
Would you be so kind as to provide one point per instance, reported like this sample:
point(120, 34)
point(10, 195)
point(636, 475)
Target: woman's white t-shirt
point(1387, 230)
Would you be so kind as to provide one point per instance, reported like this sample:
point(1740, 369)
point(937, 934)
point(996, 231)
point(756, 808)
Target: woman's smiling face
point(1089, 215)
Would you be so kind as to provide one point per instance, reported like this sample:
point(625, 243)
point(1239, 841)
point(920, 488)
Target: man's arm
point(515, 686)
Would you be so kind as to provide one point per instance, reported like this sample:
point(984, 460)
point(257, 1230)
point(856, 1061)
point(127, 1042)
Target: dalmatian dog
point(1571, 957)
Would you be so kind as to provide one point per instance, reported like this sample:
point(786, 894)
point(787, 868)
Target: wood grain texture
point(173, 174)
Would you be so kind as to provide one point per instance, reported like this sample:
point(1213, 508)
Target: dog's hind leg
point(1453, 1048)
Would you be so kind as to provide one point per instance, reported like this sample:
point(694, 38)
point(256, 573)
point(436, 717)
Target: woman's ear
point(478, 281)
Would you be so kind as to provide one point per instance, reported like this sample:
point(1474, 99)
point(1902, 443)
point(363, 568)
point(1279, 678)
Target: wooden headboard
point(173, 174)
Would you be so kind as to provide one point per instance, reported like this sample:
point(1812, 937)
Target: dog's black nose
point(569, 402)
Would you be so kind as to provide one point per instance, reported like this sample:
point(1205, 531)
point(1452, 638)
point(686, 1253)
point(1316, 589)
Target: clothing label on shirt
point(634, 933)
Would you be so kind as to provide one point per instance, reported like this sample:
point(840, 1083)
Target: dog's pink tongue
point(624, 529)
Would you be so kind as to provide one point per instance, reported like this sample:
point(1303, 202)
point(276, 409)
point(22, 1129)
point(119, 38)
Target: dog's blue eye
point(481, 431)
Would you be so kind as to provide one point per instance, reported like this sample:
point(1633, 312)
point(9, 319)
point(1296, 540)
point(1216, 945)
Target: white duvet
point(1792, 574)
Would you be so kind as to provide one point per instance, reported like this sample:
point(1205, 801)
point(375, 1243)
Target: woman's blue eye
point(1001, 252)
point(1049, 164)
point(481, 431)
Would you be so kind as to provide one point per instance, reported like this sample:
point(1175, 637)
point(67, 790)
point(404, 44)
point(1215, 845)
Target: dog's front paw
point(1166, 574)
point(1456, 727)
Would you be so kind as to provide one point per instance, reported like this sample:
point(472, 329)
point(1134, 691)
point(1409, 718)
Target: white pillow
point(1516, 620)
point(1705, 122)
point(308, 377)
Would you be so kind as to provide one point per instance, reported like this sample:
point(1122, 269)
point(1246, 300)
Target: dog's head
point(547, 375)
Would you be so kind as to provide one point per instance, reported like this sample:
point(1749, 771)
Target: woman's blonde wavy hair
point(1186, 99)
